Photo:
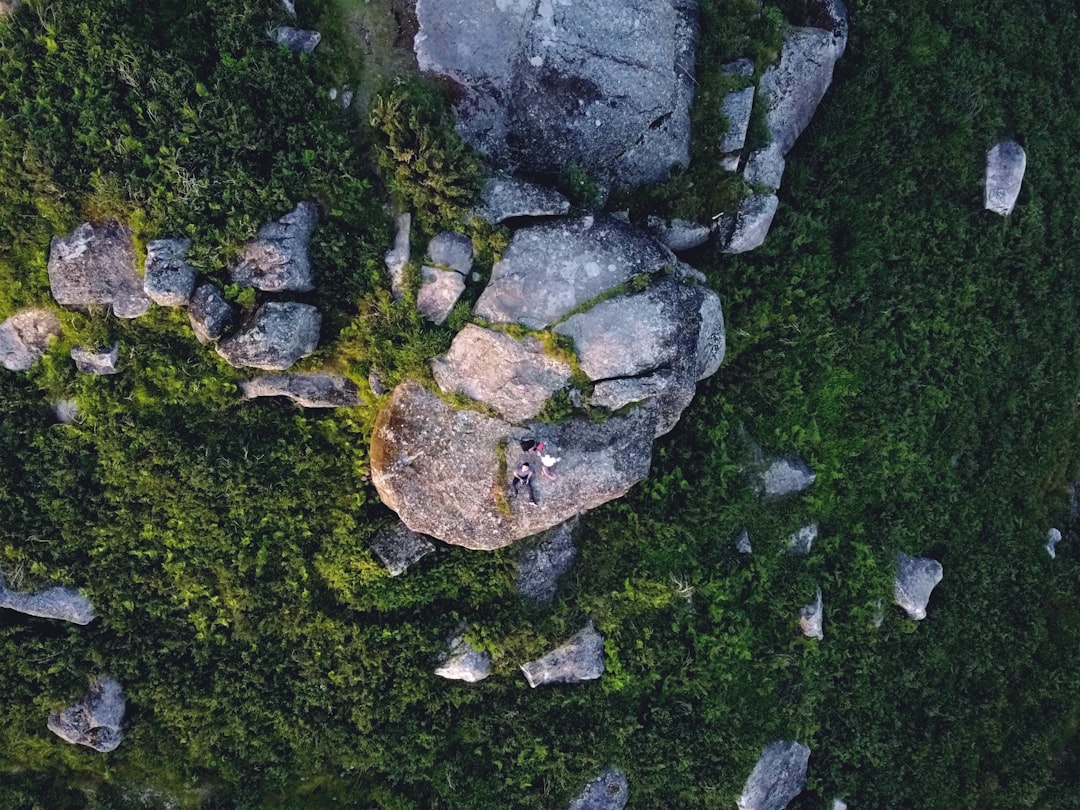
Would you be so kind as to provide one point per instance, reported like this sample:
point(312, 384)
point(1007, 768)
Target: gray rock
point(275, 337)
point(550, 269)
point(95, 266)
point(210, 315)
point(447, 472)
point(839, 804)
point(25, 337)
point(66, 411)
point(505, 197)
point(307, 390)
point(749, 227)
point(452, 251)
point(65, 604)
point(169, 280)
point(397, 257)
point(579, 659)
point(618, 393)
point(742, 543)
point(712, 336)
point(1053, 537)
point(399, 547)
point(375, 383)
point(277, 259)
point(785, 476)
point(346, 99)
point(800, 543)
point(605, 85)
point(737, 106)
point(679, 234)
point(544, 560)
point(462, 662)
point(916, 578)
point(515, 377)
point(101, 362)
point(778, 777)
point(609, 791)
point(812, 618)
point(95, 720)
point(1005, 166)
point(439, 291)
point(297, 40)
point(765, 167)
point(9, 7)
point(288, 7)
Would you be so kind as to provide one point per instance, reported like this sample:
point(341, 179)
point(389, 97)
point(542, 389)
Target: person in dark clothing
point(523, 476)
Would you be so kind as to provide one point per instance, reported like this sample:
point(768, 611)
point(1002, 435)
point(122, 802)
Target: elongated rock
point(579, 659)
point(778, 777)
point(65, 604)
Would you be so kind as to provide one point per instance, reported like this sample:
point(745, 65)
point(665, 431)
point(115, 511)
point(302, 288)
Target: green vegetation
point(920, 352)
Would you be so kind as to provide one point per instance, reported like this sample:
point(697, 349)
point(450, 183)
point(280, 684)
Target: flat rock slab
point(737, 106)
point(95, 266)
point(514, 376)
point(916, 578)
point(747, 229)
point(307, 390)
point(168, 280)
point(101, 361)
point(209, 314)
point(446, 472)
point(275, 337)
point(95, 720)
point(439, 291)
point(65, 604)
point(25, 337)
point(580, 659)
point(609, 791)
point(399, 547)
point(506, 197)
point(1005, 167)
point(544, 560)
point(778, 777)
point(451, 250)
point(463, 662)
point(277, 259)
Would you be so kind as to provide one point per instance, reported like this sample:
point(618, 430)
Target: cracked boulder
point(778, 777)
point(306, 390)
point(916, 578)
point(606, 85)
point(169, 280)
point(25, 337)
point(579, 659)
point(609, 791)
point(277, 259)
point(277, 335)
point(95, 266)
point(95, 720)
point(65, 604)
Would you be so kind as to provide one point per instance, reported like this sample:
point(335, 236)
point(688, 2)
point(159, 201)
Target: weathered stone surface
point(749, 227)
point(462, 662)
point(25, 337)
point(737, 106)
point(765, 167)
point(399, 547)
point(275, 337)
point(515, 377)
point(785, 476)
point(742, 543)
point(308, 390)
point(209, 314)
point(505, 197)
point(606, 85)
point(812, 618)
point(440, 468)
point(297, 40)
point(609, 791)
point(579, 659)
point(169, 280)
point(277, 259)
point(66, 604)
point(95, 266)
point(544, 560)
point(66, 411)
point(778, 777)
point(451, 250)
point(800, 543)
point(712, 335)
point(551, 268)
point(916, 578)
point(398, 256)
point(95, 720)
point(439, 291)
point(102, 361)
point(679, 234)
point(1053, 537)
point(1005, 166)
point(618, 393)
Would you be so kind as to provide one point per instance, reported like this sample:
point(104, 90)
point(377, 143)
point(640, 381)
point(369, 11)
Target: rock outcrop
point(505, 197)
point(95, 720)
point(609, 791)
point(778, 777)
point(307, 390)
point(277, 335)
point(463, 662)
point(1005, 166)
point(916, 578)
point(277, 259)
point(812, 618)
point(1053, 537)
point(579, 659)
point(65, 604)
point(209, 314)
point(25, 337)
point(545, 559)
point(297, 40)
point(95, 266)
point(398, 547)
point(168, 280)
point(606, 85)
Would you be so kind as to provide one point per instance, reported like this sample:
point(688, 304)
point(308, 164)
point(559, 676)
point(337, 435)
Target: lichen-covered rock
point(101, 362)
point(1053, 537)
point(95, 266)
point(307, 390)
point(1005, 166)
point(451, 250)
point(579, 659)
point(515, 377)
point(679, 235)
point(398, 547)
point(737, 106)
point(25, 337)
point(463, 662)
point(298, 40)
point(544, 560)
point(916, 578)
point(169, 280)
point(812, 618)
point(65, 604)
point(800, 543)
point(609, 791)
point(778, 777)
point(95, 720)
point(275, 337)
point(277, 259)
point(747, 229)
point(209, 314)
point(439, 291)
point(506, 197)
point(398, 256)
point(785, 476)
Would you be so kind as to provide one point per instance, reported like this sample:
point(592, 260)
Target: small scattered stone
point(579, 659)
point(463, 662)
point(679, 234)
point(25, 337)
point(1005, 166)
point(101, 362)
point(1053, 537)
point(748, 228)
point(210, 315)
point(439, 291)
point(916, 577)
point(786, 476)
point(811, 618)
point(798, 544)
point(742, 543)
point(288, 7)
point(375, 383)
point(609, 791)
point(398, 547)
point(66, 411)
point(296, 40)
point(398, 256)
point(737, 106)
point(168, 279)
point(95, 720)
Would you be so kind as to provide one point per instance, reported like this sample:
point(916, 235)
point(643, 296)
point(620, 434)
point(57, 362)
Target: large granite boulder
point(168, 280)
point(609, 791)
point(1005, 166)
point(277, 259)
point(307, 390)
point(209, 314)
point(506, 197)
point(101, 361)
point(545, 559)
point(65, 604)
point(95, 266)
point(463, 662)
point(398, 547)
point(515, 377)
point(95, 720)
point(277, 335)
point(605, 84)
point(25, 337)
point(579, 659)
point(916, 578)
point(297, 40)
point(778, 777)
point(446, 472)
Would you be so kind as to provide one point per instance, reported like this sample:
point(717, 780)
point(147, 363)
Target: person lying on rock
point(523, 478)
